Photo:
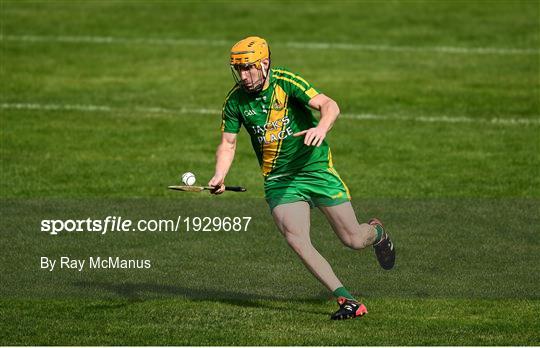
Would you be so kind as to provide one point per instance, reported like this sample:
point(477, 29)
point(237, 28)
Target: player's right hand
point(218, 182)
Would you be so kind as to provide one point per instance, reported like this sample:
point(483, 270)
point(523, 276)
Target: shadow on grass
point(140, 292)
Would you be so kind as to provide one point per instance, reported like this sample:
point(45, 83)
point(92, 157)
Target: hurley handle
point(235, 188)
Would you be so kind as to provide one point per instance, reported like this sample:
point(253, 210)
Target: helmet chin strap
point(265, 76)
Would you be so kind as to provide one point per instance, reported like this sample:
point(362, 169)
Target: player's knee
point(297, 243)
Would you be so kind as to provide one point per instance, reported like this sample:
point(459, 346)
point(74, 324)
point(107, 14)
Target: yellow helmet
point(250, 50)
point(246, 54)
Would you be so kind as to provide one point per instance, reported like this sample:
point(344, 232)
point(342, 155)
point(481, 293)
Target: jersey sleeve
point(230, 117)
point(298, 87)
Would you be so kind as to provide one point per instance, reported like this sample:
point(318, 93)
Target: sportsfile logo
point(109, 224)
point(120, 224)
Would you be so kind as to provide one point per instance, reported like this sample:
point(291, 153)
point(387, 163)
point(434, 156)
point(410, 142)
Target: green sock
point(379, 231)
point(344, 293)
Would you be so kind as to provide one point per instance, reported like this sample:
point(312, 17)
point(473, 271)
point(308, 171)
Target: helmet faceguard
point(246, 55)
point(251, 83)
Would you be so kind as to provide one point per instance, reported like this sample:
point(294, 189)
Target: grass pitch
point(104, 104)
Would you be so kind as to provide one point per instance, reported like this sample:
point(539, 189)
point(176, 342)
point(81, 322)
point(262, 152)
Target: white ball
point(188, 178)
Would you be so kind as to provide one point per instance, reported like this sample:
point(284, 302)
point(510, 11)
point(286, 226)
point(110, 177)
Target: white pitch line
point(34, 106)
point(113, 40)
point(104, 108)
point(293, 44)
point(439, 49)
point(505, 121)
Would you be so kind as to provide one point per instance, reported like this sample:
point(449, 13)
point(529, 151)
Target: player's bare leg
point(358, 236)
point(344, 223)
point(293, 220)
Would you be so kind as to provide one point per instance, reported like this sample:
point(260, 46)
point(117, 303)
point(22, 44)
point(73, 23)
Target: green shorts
point(318, 188)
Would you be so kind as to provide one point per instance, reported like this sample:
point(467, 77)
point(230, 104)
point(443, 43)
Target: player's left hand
point(218, 182)
point(313, 136)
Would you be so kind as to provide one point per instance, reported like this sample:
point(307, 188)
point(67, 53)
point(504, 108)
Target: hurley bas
point(110, 262)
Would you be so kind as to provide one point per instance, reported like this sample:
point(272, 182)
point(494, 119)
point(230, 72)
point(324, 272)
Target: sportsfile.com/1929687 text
point(120, 224)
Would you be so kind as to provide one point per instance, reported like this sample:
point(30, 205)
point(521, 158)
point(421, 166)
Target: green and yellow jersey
point(271, 117)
